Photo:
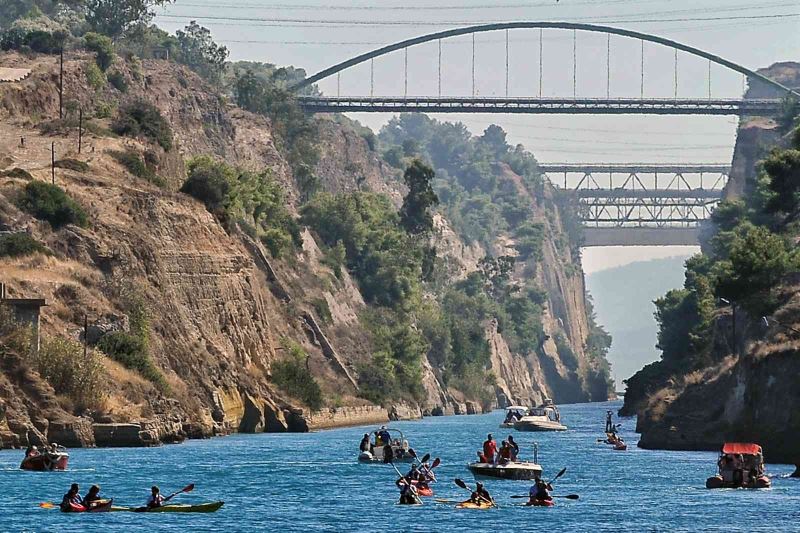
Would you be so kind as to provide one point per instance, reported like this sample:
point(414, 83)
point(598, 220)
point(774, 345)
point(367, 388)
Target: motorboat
point(516, 470)
point(513, 413)
point(389, 445)
point(741, 465)
point(542, 418)
point(45, 461)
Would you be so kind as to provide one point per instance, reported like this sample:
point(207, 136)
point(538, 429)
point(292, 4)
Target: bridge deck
point(650, 106)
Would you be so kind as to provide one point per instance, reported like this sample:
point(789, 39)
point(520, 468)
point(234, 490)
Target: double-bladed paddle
point(410, 485)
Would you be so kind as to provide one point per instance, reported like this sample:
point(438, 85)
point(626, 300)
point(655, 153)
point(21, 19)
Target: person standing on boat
point(490, 449)
point(609, 423)
point(72, 497)
point(365, 444)
point(540, 491)
point(514, 448)
point(384, 436)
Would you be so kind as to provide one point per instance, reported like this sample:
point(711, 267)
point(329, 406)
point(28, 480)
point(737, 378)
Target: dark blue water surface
point(312, 482)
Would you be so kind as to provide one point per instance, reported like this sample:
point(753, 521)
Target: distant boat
point(543, 418)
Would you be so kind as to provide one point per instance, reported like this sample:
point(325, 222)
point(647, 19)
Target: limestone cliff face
point(751, 394)
point(220, 306)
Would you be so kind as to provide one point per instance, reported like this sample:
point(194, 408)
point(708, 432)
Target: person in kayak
point(480, 495)
point(490, 449)
point(72, 497)
point(155, 499)
point(92, 496)
point(540, 491)
point(365, 445)
point(427, 471)
point(408, 493)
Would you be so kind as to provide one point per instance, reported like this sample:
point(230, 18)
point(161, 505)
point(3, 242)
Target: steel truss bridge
point(440, 103)
point(642, 204)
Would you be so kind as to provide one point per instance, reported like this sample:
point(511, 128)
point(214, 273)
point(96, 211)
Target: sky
point(315, 34)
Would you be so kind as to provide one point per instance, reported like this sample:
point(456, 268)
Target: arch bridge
point(441, 103)
point(643, 203)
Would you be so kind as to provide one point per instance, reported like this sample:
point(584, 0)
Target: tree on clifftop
point(115, 17)
point(415, 214)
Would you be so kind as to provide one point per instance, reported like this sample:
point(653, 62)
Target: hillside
point(211, 314)
point(621, 297)
point(729, 338)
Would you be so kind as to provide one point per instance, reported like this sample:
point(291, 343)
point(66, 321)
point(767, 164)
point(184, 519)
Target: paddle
point(460, 483)
point(567, 496)
point(48, 505)
point(563, 470)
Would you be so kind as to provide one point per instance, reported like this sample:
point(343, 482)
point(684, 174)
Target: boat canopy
point(744, 448)
point(516, 408)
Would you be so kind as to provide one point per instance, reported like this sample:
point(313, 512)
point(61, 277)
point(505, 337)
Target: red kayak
point(45, 462)
point(540, 503)
point(99, 506)
point(427, 491)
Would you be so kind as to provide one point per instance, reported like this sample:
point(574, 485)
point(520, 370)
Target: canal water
point(312, 482)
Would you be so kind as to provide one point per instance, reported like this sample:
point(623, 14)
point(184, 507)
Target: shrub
point(143, 118)
point(104, 109)
point(49, 202)
point(62, 364)
point(103, 47)
point(292, 376)
point(72, 164)
point(118, 81)
point(131, 352)
point(140, 168)
point(20, 244)
point(95, 77)
point(18, 174)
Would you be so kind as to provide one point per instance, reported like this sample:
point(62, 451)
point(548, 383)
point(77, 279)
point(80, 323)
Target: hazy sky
point(315, 34)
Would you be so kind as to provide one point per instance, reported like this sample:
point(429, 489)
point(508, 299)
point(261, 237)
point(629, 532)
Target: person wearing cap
point(384, 436)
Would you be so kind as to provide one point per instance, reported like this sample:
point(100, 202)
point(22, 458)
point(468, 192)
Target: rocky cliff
point(750, 392)
point(221, 309)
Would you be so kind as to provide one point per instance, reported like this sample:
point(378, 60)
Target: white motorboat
point(513, 413)
point(515, 470)
point(543, 418)
point(383, 449)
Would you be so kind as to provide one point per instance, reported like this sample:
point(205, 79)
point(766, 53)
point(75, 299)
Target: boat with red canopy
point(741, 465)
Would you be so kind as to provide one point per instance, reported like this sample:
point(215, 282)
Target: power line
point(348, 23)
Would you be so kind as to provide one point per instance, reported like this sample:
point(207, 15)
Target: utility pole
point(85, 336)
point(80, 129)
point(61, 84)
point(53, 162)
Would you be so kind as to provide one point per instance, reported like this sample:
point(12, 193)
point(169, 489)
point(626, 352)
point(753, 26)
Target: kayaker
point(92, 496)
point(365, 444)
point(481, 495)
point(490, 449)
point(427, 472)
point(514, 448)
point(414, 474)
point(72, 497)
point(155, 499)
point(408, 493)
point(540, 491)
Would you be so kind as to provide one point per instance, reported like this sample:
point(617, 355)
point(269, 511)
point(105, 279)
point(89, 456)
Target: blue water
point(312, 482)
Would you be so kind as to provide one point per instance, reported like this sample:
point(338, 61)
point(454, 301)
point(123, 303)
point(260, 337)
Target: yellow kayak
point(469, 504)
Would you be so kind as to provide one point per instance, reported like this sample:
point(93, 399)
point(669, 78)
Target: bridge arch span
point(543, 25)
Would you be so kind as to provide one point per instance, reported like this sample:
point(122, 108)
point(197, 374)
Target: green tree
point(115, 17)
point(783, 169)
point(200, 53)
point(103, 48)
point(415, 214)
